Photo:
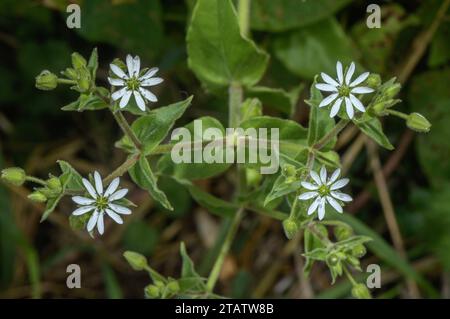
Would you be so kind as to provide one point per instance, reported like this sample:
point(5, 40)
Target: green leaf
point(277, 99)
point(320, 122)
point(50, 207)
point(193, 171)
point(86, 102)
point(135, 26)
point(143, 176)
point(373, 129)
point(314, 49)
point(282, 15)
point(213, 204)
point(154, 127)
point(250, 108)
point(281, 188)
point(353, 241)
point(217, 52)
point(74, 182)
point(140, 237)
point(187, 269)
point(317, 254)
point(93, 63)
point(311, 242)
point(112, 285)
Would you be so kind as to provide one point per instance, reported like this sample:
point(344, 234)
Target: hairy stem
point(331, 134)
point(36, 180)
point(120, 119)
point(122, 169)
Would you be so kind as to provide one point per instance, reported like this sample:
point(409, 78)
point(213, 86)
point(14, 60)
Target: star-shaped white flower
point(100, 202)
point(133, 83)
point(343, 89)
point(325, 190)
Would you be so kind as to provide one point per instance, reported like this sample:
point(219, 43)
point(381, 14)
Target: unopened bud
point(152, 291)
point(173, 286)
point(290, 228)
point(54, 184)
point(136, 261)
point(359, 251)
point(373, 81)
point(332, 259)
point(393, 90)
point(46, 80)
point(342, 232)
point(418, 123)
point(14, 175)
point(289, 170)
point(84, 82)
point(360, 291)
point(37, 197)
point(253, 176)
point(78, 62)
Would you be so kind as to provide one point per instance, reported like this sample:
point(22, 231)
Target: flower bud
point(70, 73)
point(332, 259)
point(84, 82)
point(373, 81)
point(253, 177)
point(37, 197)
point(342, 232)
point(289, 170)
point(173, 286)
point(14, 175)
point(46, 81)
point(152, 291)
point(136, 261)
point(393, 90)
point(379, 109)
point(78, 62)
point(360, 291)
point(54, 184)
point(359, 251)
point(290, 228)
point(418, 123)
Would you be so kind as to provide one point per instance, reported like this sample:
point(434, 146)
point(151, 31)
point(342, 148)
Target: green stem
point(334, 132)
point(122, 169)
point(244, 13)
point(349, 276)
point(398, 114)
point(36, 180)
point(215, 272)
point(66, 81)
point(120, 119)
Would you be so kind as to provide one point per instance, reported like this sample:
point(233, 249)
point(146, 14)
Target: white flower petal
point(116, 82)
point(149, 74)
point(100, 224)
point(125, 99)
point(312, 208)
point(340, 73)
point(334, 176)
point(357, 103)
point(148, 95)
point(308, 195)
point(152, 81)
point(114, 216)
point(360, 79)
point(336, 107)
point(136, 65)
point(328, 99)
point(89, 188)
point(139, 100)
point(361, 90)
point(118, 195)
point(98, 183)
point(130, 65)
point(323, 175)
point(120, 209)
point(118, 94)
point(341, 196)
point(321, 209)
point(80, 200)
point(309, 186)
point(349, 108)
point(326, 87)
point(328, 79)
point(334, 204)
point(112, 187)
point(82, 210)
point(350, 71)
point(92, 221)
point(118, 71)
point(339, 184)
point(315, 177)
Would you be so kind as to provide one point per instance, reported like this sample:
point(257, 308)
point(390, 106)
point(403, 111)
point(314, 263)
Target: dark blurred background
point(302, 40)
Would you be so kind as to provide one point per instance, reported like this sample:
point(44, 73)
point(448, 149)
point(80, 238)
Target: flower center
point(101, 203)
point(323, 190)
point(133, 83)
point(344, 90)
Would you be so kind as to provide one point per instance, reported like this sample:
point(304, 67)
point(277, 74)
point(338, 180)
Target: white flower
point(325, 190)
point(133, 83)
point(100, 202)
point(343, 90)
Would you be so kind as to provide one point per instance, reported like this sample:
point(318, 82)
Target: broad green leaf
point(217, 52)
point(93, 63)
point(193, 171)
point(277, 99)
point(135, 26)
point(308, 51)
point(353, 241)
point(140, 237)
point(430, 96)
point(74, 178)
point(311, 242)
point(187, 269)
point(151, 129)
point(143, 176)
point(50, 207)
point(112, 285)
point(281, 188)
point(320, 123)
point(212, 203)
point(317, 254)
point(373, 129)
point(282, 15)
point(250, 108)
point(86, 102)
